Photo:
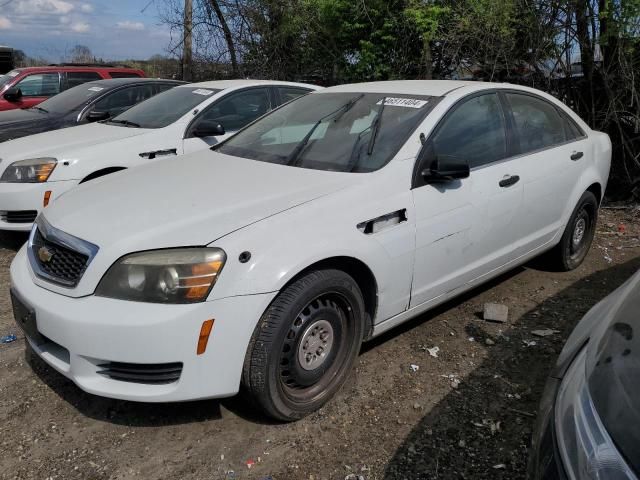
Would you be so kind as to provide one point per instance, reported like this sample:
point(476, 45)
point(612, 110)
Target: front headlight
point(178, 275)
point(34, 170)
point(586, 449)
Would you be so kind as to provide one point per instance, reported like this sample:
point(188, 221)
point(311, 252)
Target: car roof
point(224, 84)
point(93, 68)
point(435, 88)
point(117, 82)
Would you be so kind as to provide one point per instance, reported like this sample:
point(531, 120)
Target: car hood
point(613, 369)
point(59, 143)
point(20, 123)
point(185, 201)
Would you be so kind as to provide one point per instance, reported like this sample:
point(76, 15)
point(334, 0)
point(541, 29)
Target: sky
point(112, 29)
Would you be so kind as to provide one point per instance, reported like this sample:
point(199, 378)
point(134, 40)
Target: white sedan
point(37, 169)
point(266, 263)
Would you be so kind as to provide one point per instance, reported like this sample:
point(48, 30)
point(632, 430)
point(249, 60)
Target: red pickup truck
point(27, 87)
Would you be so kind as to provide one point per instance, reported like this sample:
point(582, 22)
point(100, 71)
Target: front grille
point(147, 373)
point(18, 216)
point(60, 264)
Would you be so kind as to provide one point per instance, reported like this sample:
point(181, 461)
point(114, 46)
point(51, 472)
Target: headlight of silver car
point(34, 170)
point(177, 275)
point(587, 450)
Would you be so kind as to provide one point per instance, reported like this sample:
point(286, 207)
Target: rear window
point(78, 78)
point(124, 75)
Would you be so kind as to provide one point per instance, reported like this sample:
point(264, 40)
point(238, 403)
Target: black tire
point(569, 254)
point(287, 372)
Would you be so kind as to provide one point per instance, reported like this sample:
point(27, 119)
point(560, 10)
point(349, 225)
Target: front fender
point(284, 245)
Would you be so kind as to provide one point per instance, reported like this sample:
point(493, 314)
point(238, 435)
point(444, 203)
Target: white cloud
point(50, 7)
point(5, 23)
point(80, 27)
point(86, 8)
point(129, 25)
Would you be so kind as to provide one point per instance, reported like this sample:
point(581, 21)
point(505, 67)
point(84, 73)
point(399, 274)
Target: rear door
point(465, 228)
point(552, 152)
point(233, 111)
point(37, 87)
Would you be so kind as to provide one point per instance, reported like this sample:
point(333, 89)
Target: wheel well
point(363, 276)
point(102, 173)
point(596, 189)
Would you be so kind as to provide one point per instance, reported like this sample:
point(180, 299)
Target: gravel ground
point(467, 413)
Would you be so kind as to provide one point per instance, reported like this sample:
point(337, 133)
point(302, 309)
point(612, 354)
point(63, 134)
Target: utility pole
point(187, 65)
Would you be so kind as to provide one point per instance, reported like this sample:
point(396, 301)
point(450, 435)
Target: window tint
point(290, 93)
point(73, 98)
point(474, 132)
point(124, 75)
point(538, 123)
point(118, 101)
point(238, 109)
point(40, 85)
point(78, 78)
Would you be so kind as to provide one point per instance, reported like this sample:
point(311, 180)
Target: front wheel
point(305, 344)
point(578, 235)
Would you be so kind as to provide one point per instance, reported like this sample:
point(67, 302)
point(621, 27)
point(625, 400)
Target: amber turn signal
point(205, 331)
point(47, 197)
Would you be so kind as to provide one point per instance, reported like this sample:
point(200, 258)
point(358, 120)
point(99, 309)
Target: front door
point(465, 228)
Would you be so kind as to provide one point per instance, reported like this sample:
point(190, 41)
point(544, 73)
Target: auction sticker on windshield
point(96, 89)
point(202, 91)
point(404, 102)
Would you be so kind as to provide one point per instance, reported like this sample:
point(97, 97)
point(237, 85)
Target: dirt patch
point(467, 413)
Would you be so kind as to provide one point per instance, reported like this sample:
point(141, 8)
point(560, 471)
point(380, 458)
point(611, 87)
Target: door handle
point(509, 180)
point(576, 156)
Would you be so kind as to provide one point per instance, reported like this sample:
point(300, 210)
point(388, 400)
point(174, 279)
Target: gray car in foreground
point(589, 419)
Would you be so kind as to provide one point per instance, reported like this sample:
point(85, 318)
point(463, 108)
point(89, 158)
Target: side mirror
point(445, 169)
point(208, 129)
point(13, 94)
point(96, 116)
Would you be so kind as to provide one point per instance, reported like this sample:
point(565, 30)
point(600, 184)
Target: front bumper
point(83, 333)
point(27, 197)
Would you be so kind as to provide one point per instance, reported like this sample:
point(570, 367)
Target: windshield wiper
point(125, 122)
point(292, 159)
point(373, 128)
point(40, 109)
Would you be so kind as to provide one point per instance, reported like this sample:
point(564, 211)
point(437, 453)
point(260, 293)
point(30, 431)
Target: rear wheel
point(305, 344)
point(578, 235)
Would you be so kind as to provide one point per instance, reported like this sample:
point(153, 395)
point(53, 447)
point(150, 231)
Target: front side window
point(238, 109)
point(344, 132)
point(538, 124)
point(474, 132)
point(164, 108)
point(118, 101)
point(40, 85)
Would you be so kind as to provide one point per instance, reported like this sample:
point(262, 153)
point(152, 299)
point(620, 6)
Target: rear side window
point(124, 75)
point(473, 132)
point(78, 78)
point(40, 85)
point(538, 124)
point(290, 93)
point(572, 130)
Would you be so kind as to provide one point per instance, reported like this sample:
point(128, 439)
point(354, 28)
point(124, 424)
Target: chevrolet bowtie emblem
point(45, 255)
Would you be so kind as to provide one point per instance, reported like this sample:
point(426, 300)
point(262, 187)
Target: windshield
point(344, 132)
point(7, 77)
point(72, 99)
point(165, 108)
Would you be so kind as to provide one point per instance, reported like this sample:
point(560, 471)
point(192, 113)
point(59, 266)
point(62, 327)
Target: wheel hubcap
point(315, 345)
point(578, 232)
